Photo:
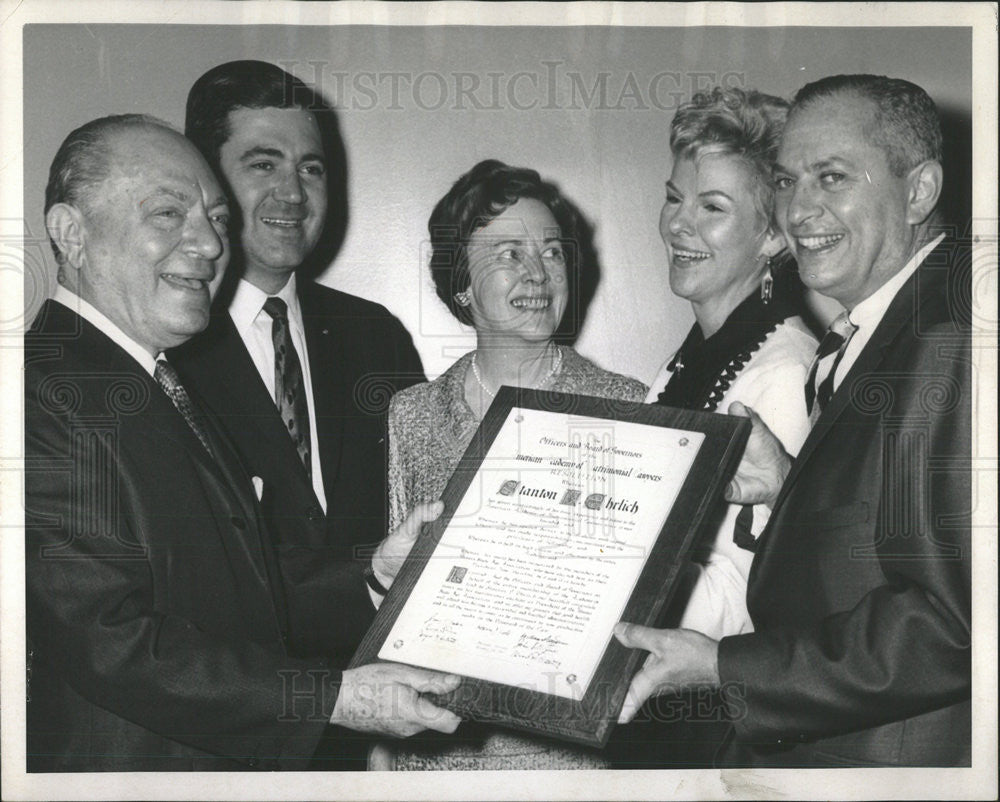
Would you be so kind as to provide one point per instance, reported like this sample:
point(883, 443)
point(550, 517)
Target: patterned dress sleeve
point(399, 504)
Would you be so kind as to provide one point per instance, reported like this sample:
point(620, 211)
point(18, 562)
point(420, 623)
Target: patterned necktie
point(289, 389)
point(166, 377)
point(819, 385)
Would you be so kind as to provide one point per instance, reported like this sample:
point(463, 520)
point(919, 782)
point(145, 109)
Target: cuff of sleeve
point(743, 529)
point(759, 706)
point(734, 685)
point(373, 581)
point(308, 699)
point(750, 523)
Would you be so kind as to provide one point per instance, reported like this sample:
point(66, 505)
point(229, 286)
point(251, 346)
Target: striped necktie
point(819, 385)
point(167, 378)
point(289, 387)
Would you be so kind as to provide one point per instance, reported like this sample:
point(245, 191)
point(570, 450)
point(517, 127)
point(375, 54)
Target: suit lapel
point(168, 421)
point(225, 467)
point(248, 541)
point(326, 335)
point(158, 413)
point(243, 542)
point(227, 461)
point(238, 390)
point(901, 312)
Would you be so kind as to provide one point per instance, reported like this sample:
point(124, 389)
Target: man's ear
point(65, 225)
point(924, 181)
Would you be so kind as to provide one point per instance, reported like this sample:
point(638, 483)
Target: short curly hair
point(473, 201)
point(742, 122)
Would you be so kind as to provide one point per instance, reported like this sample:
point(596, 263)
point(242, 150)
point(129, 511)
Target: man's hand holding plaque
point(678, 659)
point(384, 698)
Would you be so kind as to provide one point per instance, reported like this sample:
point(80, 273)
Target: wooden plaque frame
point(590, 720)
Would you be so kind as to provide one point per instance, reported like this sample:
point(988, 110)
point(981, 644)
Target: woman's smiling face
point(517, 273)
point(714, 233)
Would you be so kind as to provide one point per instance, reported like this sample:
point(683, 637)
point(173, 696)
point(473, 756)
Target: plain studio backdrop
point(588, 107)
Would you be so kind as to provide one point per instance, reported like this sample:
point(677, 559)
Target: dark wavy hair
point(904, 124)
point(250, 84)
point(241, 85)
point(473, 201)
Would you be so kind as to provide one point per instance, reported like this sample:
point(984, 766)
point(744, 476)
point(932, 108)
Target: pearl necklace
point(548, 376)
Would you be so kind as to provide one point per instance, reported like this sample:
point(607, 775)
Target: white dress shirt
point(254, 327)
point(103, 323)
point(869, 313)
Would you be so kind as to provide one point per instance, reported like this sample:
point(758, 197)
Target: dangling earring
point(462, 298)
point(767, 283)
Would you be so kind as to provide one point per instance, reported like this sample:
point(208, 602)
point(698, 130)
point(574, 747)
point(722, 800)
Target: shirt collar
point(104, 324)
point(871, 310)
point(248, 301)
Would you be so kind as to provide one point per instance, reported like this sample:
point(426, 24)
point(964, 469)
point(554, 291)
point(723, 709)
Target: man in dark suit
point(860, 588)
point(274, 143)
point(156, 636)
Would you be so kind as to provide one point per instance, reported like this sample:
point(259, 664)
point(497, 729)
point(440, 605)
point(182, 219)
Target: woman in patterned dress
point(504, 260)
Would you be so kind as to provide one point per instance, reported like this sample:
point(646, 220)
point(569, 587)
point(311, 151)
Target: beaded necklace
point(732, 370)
point(556, 365)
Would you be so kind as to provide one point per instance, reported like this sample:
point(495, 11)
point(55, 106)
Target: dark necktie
point(289, 389)
point(819, 385)
point(166, 377)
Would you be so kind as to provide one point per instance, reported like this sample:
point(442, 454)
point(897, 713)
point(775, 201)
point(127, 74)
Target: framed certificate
point(565, 515)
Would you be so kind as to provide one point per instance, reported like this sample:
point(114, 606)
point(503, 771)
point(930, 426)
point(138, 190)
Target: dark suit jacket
point(153, 631)
point(860, 590)
point(359, 355)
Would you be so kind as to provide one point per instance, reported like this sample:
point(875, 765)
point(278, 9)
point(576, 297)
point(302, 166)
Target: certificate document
point(566, 515)
point(543, 551)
